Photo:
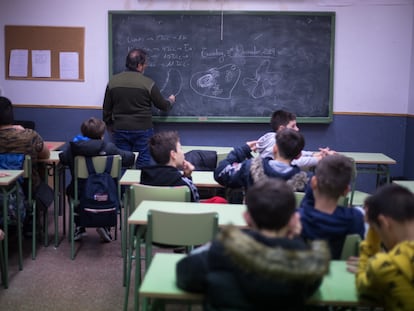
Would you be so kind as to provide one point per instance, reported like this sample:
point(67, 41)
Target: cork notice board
point(57, 40)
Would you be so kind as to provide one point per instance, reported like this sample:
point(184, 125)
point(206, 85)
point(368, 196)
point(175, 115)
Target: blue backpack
point(99, 201)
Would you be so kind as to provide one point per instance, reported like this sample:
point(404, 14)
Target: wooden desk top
point(370, 158)
point(202, 179)
point(227, 213)
point(8, 177)
point(54, 145)
point(338, 287)
point(53, 159)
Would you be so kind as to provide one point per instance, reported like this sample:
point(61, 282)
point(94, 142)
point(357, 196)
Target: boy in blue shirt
point(321, 216)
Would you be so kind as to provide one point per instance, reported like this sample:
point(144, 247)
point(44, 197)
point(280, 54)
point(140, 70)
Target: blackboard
point(232, 66)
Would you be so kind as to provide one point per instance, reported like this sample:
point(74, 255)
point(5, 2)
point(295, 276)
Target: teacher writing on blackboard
point(129, 97)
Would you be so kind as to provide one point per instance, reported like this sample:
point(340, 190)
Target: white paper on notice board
point(18, 63)
point(69, 65)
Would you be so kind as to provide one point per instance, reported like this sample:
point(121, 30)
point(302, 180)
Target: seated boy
point(239, 170)
point(283, 119)
point(388, 277)
point(264, 267)
point(91, 144)
point(321, 216)
point(166, 151)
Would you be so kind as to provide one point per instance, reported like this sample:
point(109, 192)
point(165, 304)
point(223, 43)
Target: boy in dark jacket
point(265, 267)
point(239, 170)
point(321, 216)
point(91, 144)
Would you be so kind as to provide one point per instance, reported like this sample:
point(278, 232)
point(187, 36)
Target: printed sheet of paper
point(41, 64)
point(18, 63)
point(69, 65)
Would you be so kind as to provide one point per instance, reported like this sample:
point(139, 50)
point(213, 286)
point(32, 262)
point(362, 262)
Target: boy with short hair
point(279, 120)
point(388, 277)
point(239, 170)
point(321, 216)
point(166, 151)
point(264, 267)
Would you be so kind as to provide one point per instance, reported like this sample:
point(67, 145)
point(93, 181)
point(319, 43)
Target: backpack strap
point(90, 166)
point(108, 166)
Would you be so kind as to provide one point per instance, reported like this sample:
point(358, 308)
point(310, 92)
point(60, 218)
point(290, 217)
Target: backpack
point(99, 200)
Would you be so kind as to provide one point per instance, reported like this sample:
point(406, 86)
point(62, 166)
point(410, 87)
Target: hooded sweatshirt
point(245, 270)
point(333, 228)
point(387, 278)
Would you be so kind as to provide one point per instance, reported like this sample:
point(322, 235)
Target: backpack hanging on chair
point(99, 199)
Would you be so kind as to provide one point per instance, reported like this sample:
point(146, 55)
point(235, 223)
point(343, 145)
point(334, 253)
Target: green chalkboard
point(232, 66)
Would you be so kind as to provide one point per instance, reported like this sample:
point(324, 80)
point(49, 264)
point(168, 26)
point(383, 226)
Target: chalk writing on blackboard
point(233, 66)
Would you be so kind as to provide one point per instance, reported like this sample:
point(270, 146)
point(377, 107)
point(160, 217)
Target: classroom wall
point(373, 77)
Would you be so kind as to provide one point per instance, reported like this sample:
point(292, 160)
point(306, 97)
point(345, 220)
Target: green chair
point(81, 172)
point(351, 246)
point(138, 193)
point(173, 229)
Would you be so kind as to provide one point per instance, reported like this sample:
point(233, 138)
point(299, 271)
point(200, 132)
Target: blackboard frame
point(326, 118)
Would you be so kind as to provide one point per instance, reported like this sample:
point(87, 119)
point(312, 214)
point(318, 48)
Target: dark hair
point(93, 128)
point(392, 200)
point(281, 118)
point(334, 173)
point(134, 58)
point(271, 203)
point(290, 143)
point(161, 144)
point(6, 111)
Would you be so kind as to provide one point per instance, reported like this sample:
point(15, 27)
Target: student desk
point(227, 213)
point(202, 179)
point(337, 288)
point(371, 162)
point(8, 185)
point(409, 184)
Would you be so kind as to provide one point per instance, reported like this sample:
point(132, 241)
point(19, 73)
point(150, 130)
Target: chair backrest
point(183, 229)
point(81, 171)
point(140, 192)
point(299, 196)
point(178, 229)
point(351, 246)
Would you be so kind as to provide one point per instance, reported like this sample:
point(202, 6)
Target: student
point(16, 139)
point(129, 97)
point(387, 277)
point(90, 143)
point(321, 216)
point(264, 267)
point(283, 119)
point(239, 170)
point(165, 149)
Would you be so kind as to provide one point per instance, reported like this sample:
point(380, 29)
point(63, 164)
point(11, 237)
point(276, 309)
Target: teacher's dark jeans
point(135, 141)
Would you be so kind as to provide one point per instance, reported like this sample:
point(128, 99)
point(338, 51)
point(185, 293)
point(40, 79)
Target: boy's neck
point(283, 160)
point(325, 204)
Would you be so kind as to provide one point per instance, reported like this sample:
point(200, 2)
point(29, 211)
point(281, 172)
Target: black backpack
point(99, 201)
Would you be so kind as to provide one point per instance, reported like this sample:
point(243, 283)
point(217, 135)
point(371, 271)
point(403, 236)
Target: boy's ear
point(298, 156)
point(281, 127)
point(275, 150)
point(346, 191)
point(248, 219)
point(383, 221)
point(314, 182)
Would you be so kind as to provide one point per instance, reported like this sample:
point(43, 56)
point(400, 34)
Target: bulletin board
point(56, 39)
